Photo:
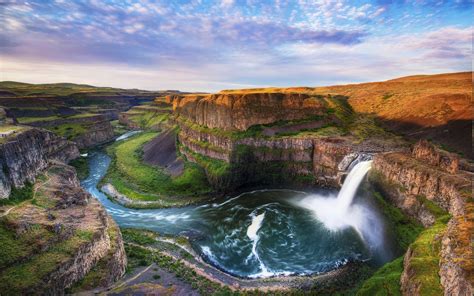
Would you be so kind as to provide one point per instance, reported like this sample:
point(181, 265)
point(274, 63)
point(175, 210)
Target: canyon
point(56, 233)
point(185, 154)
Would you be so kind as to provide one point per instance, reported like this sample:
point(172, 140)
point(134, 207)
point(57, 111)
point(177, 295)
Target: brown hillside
point(437, 107)
point(424, 100)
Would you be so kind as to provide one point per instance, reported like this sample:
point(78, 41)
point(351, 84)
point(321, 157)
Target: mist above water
point(339, 212)
point(266, 233)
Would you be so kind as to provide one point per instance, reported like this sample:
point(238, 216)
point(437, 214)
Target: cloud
point(209, 45)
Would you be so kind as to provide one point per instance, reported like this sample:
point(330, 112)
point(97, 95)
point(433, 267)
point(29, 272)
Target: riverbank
point(136, 184)
point(158, 261)
point(178, 220)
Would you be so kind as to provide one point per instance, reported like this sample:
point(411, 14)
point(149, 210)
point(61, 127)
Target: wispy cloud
point(228, 43)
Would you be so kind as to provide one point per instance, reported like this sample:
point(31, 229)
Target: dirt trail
point(34, 195)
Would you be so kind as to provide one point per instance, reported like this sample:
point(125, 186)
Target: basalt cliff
point(310, 136)
point(272, 138)
point(55, 236)
point(86, 132)
point(27, 152)
point(417, 181)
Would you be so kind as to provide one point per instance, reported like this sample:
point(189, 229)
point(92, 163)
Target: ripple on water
point(257, 234)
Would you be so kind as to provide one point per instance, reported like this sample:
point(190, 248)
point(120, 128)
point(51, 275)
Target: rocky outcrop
point(429, 154)
point(301, 160)
point(99, 132)
point(409, 181)
point(80, 235)
point(98, 129)
point(23, 156)
point(146, 116)
point(242, 110)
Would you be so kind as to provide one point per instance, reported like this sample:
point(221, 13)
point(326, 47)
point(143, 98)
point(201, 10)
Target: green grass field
point(139, 181)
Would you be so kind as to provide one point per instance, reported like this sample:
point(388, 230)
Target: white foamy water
point(252, 233)
point(127, 135)
point(255, 226)
point(351, 184)
point(339, 213)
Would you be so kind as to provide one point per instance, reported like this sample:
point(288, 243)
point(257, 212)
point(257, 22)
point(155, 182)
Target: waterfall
point(339, 212)
point(351, 184)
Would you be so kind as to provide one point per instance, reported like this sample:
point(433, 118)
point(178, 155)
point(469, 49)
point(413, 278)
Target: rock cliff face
point(426, 183)
point(428, 174)
point(98, 129)
point(29, 152)
point(240, 111)
point(62, 232)
point(300, 161)
point(99, 132)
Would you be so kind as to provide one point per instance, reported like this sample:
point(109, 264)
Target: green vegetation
point(59, 89)
point(27, 120)
point(70, 130)
point(207, 145)
point(141, 237)
point(99, 272)
point(82, 167)
point(214, 167)
point(139, 181)
point(118, 127)
point(147, 117)
point(424, 245)
point(13, 247)
point(425, 259)
point(19, 277)
point(386, 281)
point(10, 131)
point(18, 195)
point(10, 128)
point(405, 228)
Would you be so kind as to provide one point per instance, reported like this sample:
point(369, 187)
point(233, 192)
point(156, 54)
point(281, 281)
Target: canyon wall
point(99, 132)
point(98, 129)
point(61, 233)
point(241, 111)
point(411, 182)
point(28, 152)
point(214, 131)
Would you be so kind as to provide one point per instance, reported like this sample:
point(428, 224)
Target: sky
point(200, 45)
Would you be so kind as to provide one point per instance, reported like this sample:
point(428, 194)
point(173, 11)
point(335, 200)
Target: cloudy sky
point(212, 45)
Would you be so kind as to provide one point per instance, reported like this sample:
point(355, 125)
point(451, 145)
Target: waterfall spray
point(340, 213)
point(351, 184)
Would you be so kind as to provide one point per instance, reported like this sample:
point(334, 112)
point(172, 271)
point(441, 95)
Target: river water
point(257, 234)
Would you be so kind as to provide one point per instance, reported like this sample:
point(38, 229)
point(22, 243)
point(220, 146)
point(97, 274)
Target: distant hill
point(7, 88)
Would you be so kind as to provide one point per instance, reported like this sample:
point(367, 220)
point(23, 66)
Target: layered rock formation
point(241, 111)
point(99, 132)
point(411, 182)
point(214, 131)
point(27, 152)
point(218, 132)
point(59, 233)
point(146, 116)
point(76, 233)
point(96, 129)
